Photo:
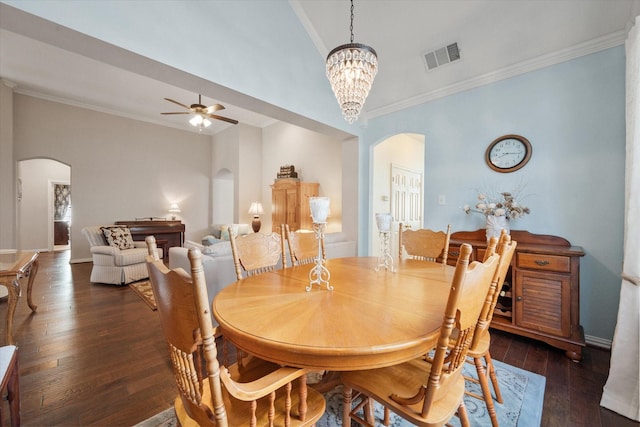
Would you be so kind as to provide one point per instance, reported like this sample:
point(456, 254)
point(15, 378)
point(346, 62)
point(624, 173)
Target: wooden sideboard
point(540, 298)
point(290, 203)
point(167, 233)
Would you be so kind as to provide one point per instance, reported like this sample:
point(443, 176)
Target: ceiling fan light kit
point(201, 113)
point(351, 69)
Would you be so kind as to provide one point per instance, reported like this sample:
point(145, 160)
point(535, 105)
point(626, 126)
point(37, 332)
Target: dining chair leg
point(347, 393)
point(492, 375)
point(486, 391)
point(462, 414)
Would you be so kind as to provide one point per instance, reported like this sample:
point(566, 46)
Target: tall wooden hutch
point(290, 203)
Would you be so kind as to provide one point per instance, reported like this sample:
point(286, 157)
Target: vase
point(495, 224)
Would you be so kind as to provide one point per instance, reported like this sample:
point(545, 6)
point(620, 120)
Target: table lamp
point(256, 210)
point(173, 210)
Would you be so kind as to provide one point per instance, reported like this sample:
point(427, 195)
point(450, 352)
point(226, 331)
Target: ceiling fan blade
point(178, 103)
point(224, 119)
point(214, 108)
point(181, 112)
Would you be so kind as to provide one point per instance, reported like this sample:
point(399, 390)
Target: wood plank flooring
point(94, 355)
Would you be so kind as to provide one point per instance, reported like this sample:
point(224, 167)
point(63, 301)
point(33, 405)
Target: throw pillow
point(118, 237)
point(209, 240)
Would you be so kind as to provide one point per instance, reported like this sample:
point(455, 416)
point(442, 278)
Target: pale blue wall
point(573, 114)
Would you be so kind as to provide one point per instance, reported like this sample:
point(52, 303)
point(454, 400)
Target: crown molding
point(612, 40)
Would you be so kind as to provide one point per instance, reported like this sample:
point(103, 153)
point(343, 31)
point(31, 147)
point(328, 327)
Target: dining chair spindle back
point(428, 391)
point(255, 253)
point(303, 246)
point(423, 244)
point(255, 394)
point(479, 349)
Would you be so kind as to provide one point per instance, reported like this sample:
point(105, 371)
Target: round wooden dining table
point(370, 319)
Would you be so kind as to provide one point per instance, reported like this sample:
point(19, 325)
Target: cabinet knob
point(519, 298)
point(541, 262)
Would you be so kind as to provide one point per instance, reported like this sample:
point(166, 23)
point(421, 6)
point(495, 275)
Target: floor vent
point(442, 56)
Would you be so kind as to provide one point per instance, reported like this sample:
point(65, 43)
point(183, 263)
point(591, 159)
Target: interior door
point(406, 200)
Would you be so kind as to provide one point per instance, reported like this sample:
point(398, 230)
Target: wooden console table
point(13, 267)
point(540, 298)
point(167, 233)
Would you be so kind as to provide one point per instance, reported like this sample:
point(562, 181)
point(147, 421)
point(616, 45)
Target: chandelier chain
point(351, 26)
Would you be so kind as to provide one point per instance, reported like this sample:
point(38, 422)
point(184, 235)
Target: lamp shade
point(174, 208)
point(256, 209)
point(319, 209)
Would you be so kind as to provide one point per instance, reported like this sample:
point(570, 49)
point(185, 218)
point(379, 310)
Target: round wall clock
point(508, 153)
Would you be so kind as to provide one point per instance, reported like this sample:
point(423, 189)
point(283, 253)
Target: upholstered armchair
point(118, 261)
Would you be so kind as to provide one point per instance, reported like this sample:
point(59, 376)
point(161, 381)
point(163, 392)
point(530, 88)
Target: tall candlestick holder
point(385, 260)
point(319, 274)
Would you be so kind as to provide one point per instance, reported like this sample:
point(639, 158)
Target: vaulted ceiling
point(497, 39)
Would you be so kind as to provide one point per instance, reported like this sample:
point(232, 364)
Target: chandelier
point(351, 69)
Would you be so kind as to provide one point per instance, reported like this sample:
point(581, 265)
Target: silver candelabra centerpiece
point(319, 274)
point(385, 260)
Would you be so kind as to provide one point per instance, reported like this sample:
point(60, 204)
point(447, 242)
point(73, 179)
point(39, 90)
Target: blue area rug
point(522, 392)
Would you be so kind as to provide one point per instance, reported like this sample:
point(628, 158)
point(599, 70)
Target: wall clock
point(508, 153)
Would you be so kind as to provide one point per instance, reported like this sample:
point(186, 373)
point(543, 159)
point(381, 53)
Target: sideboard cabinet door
point(543, 302)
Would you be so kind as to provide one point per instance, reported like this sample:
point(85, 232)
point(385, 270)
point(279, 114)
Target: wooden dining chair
point(303, 246)
point(255, 253)
point(479, 349)
point(255, 394)
point(428, 392)
point(424, 244)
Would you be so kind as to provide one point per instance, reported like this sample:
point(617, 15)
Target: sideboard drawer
point(558, 263)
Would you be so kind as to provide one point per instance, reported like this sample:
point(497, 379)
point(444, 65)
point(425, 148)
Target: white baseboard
point(80, 260)
point(598, 342)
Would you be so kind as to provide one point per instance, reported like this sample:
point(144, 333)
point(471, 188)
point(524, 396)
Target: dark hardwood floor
point(94, 355)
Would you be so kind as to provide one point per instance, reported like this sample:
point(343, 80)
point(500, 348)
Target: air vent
point(442, 56)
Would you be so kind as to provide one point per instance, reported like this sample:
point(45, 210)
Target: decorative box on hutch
point(540, 298)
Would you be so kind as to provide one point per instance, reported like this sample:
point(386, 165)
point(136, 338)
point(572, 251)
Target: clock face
point(508, 153)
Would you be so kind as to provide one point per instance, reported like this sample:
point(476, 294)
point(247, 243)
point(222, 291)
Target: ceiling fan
point(202, 113)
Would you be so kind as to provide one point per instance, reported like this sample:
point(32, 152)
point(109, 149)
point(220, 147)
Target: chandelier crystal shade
point(351, 69)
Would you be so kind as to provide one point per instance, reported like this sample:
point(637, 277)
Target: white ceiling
point(497, 38)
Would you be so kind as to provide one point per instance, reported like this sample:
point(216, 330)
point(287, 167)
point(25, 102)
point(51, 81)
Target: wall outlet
point(442, 200)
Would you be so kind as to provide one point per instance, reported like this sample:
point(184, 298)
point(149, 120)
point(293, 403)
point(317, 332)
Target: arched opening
point(44, 205)
point(222, 198)
point(398, 158)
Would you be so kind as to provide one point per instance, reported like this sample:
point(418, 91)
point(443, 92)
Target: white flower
point(502, 205)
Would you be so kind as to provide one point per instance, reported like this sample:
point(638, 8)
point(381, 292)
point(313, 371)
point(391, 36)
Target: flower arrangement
point(504, 205)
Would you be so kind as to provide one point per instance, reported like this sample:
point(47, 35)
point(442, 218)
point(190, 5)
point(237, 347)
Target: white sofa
point(112, 265)
point(217, 260)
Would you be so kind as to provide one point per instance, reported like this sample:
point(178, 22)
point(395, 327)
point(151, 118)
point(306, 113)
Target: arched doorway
point(44, 204)
point(404, 151)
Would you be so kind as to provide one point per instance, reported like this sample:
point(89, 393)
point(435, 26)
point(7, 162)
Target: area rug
point(522, 391)
point(144, 291)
